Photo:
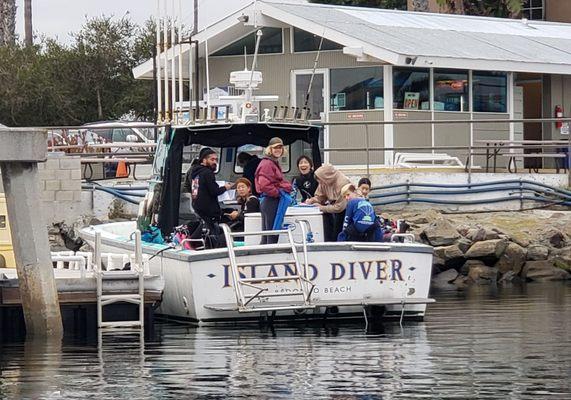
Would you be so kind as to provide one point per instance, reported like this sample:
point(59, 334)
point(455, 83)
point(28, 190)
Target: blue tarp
point(285, 202)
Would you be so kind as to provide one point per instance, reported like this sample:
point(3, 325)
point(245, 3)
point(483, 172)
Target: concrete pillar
point(19, 154)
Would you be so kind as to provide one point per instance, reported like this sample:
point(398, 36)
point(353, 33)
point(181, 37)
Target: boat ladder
point(136, 272)
point(299, 287)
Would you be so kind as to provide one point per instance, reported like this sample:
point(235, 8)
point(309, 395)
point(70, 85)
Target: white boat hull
point(381, 278)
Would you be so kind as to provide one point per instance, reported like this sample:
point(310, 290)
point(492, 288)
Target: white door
point(314, 94)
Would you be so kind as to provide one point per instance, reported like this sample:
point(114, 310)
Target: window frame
point(249, 55)
point(236, 152)
point(470, 89)
point(430, 89)
point(292, 44)
point(507, 97)
point(355, 67)
point(531, 8)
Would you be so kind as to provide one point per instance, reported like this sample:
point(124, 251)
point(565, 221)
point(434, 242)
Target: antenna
point(313, 72)
point(258, 40)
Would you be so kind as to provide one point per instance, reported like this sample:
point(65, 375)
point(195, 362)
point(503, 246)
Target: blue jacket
point(360, 215)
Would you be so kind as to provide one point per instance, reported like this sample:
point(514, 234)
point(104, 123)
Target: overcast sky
point(57, 18)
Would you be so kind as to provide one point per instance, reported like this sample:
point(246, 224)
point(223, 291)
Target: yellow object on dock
point(6, 250)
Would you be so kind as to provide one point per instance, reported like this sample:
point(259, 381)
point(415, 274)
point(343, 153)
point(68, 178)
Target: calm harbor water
point(506, 343)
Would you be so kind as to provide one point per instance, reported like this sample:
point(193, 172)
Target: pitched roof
point(420, 39)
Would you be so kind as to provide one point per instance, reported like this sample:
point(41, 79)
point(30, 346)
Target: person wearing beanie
point(329, 199)
point(269, 180)
point(204, 189)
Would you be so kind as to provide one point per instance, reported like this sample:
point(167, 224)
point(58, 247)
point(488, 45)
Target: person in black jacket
point(205, 190)
point(305, 183)
point(248, 204)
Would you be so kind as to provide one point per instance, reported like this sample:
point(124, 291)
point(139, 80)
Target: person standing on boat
point(205, 190)
point(305, 183)
point(329, 199)
point(269, 181)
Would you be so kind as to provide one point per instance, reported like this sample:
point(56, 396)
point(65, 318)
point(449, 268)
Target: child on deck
point(364, 186)
point(361, 223)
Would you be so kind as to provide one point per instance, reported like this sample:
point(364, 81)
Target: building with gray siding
point(430, 66)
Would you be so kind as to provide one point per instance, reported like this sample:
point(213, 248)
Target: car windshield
point(149, 133)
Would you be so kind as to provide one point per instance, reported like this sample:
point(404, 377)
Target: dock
point(77, 297)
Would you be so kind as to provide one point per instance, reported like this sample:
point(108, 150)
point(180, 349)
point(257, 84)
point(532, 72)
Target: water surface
point(507, 343)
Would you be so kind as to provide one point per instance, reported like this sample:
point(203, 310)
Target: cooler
point(253, 222)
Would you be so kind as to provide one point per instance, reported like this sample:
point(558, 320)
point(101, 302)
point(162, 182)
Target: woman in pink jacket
point(269, 181)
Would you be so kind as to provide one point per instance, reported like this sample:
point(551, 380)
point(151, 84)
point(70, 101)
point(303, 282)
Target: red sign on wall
point(356, 116)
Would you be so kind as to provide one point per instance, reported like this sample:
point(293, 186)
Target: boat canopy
point(222, 135)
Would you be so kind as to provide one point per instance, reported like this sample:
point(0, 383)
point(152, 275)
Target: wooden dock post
point(20, 152)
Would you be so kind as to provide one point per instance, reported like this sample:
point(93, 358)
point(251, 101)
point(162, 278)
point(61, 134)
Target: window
point(305, 41)
point(190, 154)
point(271, 43)
point(533, 9)
point(490, 91)
point(356, 88)
point(451, 90)
point(259, 151)
point(315, 100)
point(120, 135)
point(411, 89)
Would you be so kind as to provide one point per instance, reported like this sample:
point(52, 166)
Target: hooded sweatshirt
point(331, 181)
point(270, 178)
point(205, 192)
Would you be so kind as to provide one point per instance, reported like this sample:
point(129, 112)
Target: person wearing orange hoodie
point(329, 199)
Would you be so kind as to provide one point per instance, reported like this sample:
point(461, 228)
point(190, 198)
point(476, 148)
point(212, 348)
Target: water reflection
point(483, 343)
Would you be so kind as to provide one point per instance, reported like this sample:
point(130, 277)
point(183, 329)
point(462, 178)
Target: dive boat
point(302, 277)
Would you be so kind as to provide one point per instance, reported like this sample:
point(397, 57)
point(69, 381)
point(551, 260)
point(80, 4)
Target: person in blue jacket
point(361, 223)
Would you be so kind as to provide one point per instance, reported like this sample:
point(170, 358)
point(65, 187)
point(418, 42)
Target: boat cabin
point(180, 145)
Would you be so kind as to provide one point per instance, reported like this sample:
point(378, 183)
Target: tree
point(7, 22)
point(494, 8)
point(54, 84)
point(389, 4)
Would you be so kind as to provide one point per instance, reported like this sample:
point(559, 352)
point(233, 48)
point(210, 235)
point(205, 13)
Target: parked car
point(118, 131)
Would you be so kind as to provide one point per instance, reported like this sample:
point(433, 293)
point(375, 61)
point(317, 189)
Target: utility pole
point(28, 35)
point(7, 22)
point(195, 28)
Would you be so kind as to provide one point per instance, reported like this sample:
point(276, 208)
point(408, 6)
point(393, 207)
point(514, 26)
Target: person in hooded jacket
point(269, 181)
point(305, 183)
point(205, 190)
point(329, 199)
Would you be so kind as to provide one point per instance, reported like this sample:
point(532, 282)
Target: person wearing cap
point(329, 199)
point(204, 189)
point(361, 223)
point(269, 180)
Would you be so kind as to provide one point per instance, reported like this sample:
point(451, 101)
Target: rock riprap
point(495, 248)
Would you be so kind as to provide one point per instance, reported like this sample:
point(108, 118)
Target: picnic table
point(516, 149)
